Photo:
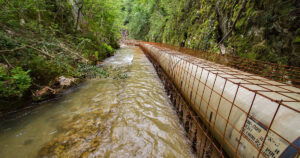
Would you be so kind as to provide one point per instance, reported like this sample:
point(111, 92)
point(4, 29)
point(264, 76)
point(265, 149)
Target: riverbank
point(35, 67)
point(44, 42)
point(27, 106)
point(60, 88)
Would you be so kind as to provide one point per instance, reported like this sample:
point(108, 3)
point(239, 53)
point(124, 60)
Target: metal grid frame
point(202, 142)
point(281, 73)
point(185, 83)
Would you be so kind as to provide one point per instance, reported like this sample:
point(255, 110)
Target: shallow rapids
point(126, 116)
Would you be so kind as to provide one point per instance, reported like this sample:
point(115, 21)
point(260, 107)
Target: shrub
point(14, 83)
point(107, 49)
point(91, 71)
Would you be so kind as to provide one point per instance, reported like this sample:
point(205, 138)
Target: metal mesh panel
point(281, 73)
point(250, 116)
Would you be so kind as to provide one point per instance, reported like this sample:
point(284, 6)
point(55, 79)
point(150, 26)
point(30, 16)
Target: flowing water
point(128, 115)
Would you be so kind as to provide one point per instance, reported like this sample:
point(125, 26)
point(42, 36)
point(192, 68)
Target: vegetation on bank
point(263, 30)
point(43, 40)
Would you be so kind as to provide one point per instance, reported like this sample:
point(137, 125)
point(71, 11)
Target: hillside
point(42, 41)
point(262, 30)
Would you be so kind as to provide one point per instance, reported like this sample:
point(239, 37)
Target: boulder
point(65, 81)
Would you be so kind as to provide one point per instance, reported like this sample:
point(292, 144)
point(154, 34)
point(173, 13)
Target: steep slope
point(43, 40)
point(264, 30)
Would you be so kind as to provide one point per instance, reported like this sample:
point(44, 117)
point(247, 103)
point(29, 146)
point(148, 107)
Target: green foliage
point(13, 83)
point(98, 52)
point(92, 71)
point(107, 49)
point(103, 19)
point(297, 39)
point(202, 24)
point(101, 22)
point(43, 70)
point(6, 42)
point(52, 38)
point(138, 14)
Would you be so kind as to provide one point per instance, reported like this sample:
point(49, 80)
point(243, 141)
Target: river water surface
point(126, 115)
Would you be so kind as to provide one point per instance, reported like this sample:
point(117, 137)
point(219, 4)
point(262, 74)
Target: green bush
point(44, 71)
point(14, 83)
point(107, 49)
point(97, 53)
point(6, 42)
point(92, 71)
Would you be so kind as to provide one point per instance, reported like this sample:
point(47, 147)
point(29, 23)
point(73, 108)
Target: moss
point(297, 39)
point(260, 48)
point(207, 22)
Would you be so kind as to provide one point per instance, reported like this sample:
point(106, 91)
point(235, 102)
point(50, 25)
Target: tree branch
point(12, 50)
point(235, 21)
point(27, 46)
point(41, 51)
point(6, 61)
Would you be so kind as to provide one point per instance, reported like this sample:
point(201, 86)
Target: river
point(128, 115)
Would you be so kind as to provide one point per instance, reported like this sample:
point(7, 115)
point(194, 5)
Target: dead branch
point(41, 51)
point(7, 62)
point(13, 50)
point(235, 21)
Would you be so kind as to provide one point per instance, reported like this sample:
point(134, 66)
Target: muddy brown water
point(125, 116)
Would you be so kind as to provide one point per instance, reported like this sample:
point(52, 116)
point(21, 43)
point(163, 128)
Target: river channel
point(125, 116)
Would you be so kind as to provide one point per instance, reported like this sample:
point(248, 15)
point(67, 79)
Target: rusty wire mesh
point(201, 140)
point(250, 116)
point(281, 73)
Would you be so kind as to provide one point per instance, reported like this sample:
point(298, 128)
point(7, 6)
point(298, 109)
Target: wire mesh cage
point(248, 115)
point(281, 73)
